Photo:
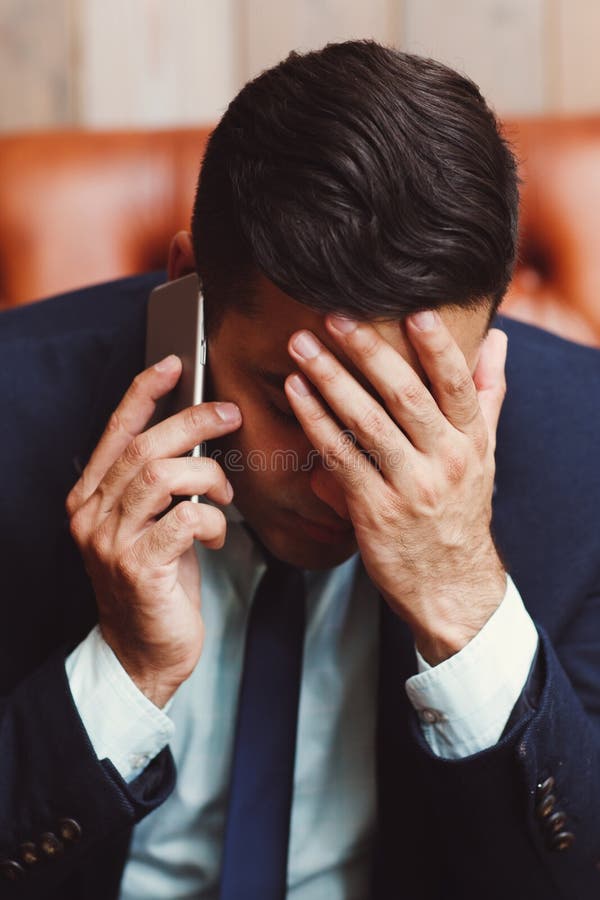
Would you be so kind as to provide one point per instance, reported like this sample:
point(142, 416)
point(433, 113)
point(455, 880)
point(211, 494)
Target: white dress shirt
point(463, 703)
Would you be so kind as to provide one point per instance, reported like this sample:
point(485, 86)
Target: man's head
point(356, 179)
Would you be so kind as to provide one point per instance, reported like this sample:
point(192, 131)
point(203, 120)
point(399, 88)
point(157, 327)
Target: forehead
point(260, 338)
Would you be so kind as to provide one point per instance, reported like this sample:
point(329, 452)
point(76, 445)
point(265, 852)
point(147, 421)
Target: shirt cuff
point(465, 702)
point(122, 723)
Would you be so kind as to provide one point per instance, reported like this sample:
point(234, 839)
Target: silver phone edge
point(200, 449)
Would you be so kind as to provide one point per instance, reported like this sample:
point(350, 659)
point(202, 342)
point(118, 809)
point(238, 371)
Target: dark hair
point(358, 179)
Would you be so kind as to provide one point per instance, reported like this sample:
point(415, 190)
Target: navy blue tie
point(257, 832)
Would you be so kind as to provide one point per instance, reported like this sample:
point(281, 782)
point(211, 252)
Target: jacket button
point(545, 806)
point(562, 841)
point(50, 844)
point(556, 821)
point(11, 870)
point(545, 787)
point(431, 716)
point(29, 853)
point(69, 830)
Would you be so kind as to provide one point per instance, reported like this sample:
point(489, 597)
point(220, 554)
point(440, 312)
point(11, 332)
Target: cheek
point(267, 448)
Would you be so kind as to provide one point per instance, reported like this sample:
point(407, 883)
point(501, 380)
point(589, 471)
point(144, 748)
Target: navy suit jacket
point(471, 828)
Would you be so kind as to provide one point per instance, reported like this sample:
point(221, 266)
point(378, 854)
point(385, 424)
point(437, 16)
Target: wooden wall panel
point(574, 55)
point(148, 62)
point(500, 44)
point(103, 63)
point(271, 28)
point(36, 76)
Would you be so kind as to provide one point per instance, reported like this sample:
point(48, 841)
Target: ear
point(181, 256)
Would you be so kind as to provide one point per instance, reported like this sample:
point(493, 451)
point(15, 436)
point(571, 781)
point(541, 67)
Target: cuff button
point(11, 870)
point(545, 807)
point(545, 787)
point(431, 716)
point(562, 841)
point(29, 853)
point(50, 844)
point(69, 830)
point(557, 821)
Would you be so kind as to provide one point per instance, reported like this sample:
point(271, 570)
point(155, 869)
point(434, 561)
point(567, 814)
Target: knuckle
point(194, 418)
point(455, 466)
point(372, 422)
point(138, 450)
point(330, 374)
point(411, 394)
point(370, 344)
point(458, 384)
point(317, 415)
point(78, 526)
point(427, 495)
point(152, 473)
point(72, 502)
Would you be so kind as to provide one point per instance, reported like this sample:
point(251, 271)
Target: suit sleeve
point(122, 724)
point(530, 805)
point(58, 801)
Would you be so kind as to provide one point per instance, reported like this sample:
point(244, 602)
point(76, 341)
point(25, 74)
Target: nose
point(327, 489)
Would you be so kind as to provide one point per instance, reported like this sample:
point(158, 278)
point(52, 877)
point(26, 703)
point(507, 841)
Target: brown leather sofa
point(82, 207)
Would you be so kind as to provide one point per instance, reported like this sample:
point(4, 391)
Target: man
point(354, 229)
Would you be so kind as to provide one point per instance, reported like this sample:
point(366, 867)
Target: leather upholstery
point(81, 207)
point(557, 282)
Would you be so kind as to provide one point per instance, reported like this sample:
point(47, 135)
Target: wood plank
point(500, 44)
point(576, 60)
point(36, 87)
point(147, 62)
point(273, 28)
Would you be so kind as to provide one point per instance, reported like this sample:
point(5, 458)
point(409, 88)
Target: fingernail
point(341, 323)
point(425, 320)
point(229, 489)
point(228, 412)
point(299, 385)
point(168, 364)
point(306, 345)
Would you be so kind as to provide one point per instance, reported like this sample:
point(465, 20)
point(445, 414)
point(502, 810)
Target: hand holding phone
point(140, 553)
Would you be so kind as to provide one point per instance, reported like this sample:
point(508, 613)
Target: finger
point(354, 406)
point(129, 418)
point(490, 378)
point(338, 452)
point(176, 532)
point(152, 490)
point(447, 370)
point(405, 396)
point(173, 437)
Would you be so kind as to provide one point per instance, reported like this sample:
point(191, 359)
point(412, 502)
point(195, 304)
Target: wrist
point(155, 678)
point(456, 616)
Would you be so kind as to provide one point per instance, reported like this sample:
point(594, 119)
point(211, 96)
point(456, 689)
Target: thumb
point(489, 376)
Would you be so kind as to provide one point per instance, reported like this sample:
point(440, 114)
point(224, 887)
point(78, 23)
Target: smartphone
point(175, 324)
